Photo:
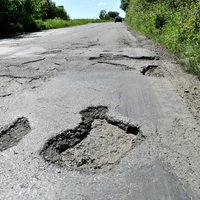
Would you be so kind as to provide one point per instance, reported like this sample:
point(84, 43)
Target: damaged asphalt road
point(91, 112)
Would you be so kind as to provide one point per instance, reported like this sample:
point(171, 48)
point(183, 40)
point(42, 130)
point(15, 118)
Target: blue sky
point(89, 8)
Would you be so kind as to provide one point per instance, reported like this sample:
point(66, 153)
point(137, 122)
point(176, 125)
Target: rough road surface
point(96, 112)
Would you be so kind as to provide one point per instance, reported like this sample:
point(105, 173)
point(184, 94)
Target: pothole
point(96, 144)
point(110, 56)
point(152, 70)
point(13, 133)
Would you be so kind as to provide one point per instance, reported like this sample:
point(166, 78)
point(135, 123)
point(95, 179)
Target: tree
point(29, 6)
point(61, 13)
point(21, 15)
point(124, 5)
point(112, 14)
point(102, 14)
point(50, 10)
point(11, 12)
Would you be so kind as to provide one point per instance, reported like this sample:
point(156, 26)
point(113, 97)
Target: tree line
point(108, 15)
point(172, 3)
point(23, 15)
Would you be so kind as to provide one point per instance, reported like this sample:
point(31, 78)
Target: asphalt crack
point(96, 144)
point(33, 61)
point(26, 63)
point(53, 51)
point(12, 134)
point(84, 46)
point(125, 67)
point(5, 95)
point(111, 56)
point(20, 77)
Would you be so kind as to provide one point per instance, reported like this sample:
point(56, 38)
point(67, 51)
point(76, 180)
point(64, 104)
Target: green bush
point(40, 24)
point(174, 23)
point(55, 23)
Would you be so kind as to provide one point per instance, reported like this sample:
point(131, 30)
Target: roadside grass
point(177, 28)
point(60, 23)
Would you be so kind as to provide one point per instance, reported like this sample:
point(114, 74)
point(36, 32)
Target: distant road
point(88, 113)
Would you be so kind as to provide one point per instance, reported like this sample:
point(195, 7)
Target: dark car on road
point(118, 19)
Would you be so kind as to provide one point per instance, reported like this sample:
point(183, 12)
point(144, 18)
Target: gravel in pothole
point(96, 144)
point(12, 134)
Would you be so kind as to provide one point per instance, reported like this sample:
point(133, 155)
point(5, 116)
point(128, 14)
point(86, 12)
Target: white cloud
point(101, 4)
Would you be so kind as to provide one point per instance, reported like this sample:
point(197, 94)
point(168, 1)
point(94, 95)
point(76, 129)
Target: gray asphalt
point(50, 76)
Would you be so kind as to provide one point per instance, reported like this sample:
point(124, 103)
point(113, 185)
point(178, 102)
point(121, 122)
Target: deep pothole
point(13, 133)
point(152, 70)
point(96, 144)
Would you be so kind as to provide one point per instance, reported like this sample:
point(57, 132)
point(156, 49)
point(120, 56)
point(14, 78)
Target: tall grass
point(175, 26)
point(60, 23)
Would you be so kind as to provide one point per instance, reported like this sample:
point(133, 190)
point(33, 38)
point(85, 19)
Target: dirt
point(12, 134)
point(96, 144)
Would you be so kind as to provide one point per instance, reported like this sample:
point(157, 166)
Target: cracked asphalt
point(48, 78)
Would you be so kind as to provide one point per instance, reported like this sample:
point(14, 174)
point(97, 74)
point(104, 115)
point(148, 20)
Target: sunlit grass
point(59, 23)
point(178, 29)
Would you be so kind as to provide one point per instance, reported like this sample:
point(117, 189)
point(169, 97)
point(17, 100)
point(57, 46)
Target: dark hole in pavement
point(97, 143)
point(110, 56)
point(13, 133)
point(132, 129)
point(152, 70)
point(145, 69)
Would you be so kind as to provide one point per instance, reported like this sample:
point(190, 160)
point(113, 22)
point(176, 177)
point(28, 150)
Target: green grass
point(176, 27)
point(59, 23)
